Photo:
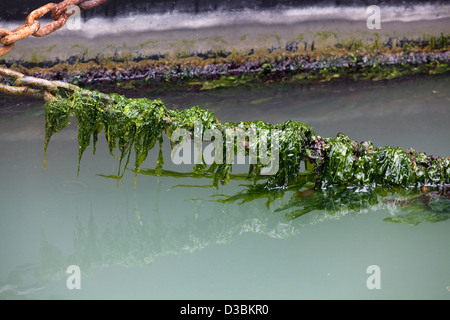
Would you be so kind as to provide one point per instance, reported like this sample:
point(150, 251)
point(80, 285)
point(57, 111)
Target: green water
point(165, 240)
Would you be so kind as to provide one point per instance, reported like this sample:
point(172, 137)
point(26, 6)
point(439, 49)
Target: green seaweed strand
point(87, 111)
point(56, 118)
point(327, 162)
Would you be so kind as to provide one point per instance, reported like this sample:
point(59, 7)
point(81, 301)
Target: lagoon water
point(167, 238)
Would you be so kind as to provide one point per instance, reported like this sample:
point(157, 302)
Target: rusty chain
point(18, 83)
point(32, 27)
point(31, 86)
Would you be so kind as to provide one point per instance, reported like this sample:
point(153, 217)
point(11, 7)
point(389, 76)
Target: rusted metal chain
point(33, 27)
point(20, 84)
point(16, 83)
point(83, 4)
point(27, 86)
point(5, 49)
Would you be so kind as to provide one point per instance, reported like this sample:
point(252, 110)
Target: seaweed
point(325, 173)
point(56, 118)
point(140, 123)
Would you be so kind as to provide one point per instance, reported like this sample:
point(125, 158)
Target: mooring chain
point(33, 27)
point(16, 83)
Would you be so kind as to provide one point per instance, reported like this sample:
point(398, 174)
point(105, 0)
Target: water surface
point(162, 240)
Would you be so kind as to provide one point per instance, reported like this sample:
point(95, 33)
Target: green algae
point(435, 211)
point(87, 114)
point(56, 118)
point(332, 174)
point(409, 205)
point(139, 124)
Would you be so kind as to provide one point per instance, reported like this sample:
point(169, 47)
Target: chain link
point(33, 27)
point(30, 86)
point(7, 48)
point(16, 83)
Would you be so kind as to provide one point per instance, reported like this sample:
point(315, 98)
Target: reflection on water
point(137, 237)
point(171, 237)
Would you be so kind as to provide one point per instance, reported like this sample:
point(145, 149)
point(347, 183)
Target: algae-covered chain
point(140, 124)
